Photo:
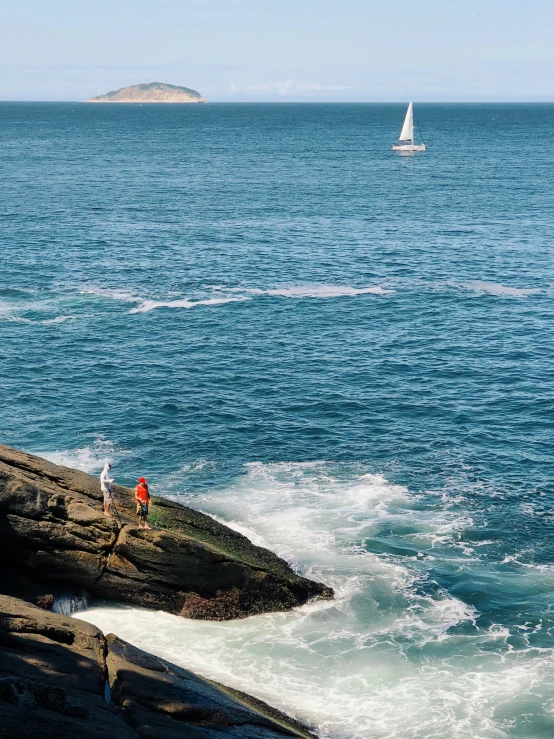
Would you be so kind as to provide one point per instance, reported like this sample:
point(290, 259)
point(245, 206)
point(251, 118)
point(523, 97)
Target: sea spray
point(67, 604)
point(393, 656)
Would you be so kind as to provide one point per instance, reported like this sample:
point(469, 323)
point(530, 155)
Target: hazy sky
point(280, 50)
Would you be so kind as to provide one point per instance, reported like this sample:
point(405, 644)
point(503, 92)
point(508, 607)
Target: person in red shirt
point(142, 498)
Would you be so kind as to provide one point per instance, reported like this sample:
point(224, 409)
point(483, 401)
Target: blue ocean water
point(343, 352)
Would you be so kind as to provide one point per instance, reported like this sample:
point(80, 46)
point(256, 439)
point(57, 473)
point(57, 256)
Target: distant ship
point(406, 138)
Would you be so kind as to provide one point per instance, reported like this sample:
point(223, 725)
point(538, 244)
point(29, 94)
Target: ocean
point(344, 353)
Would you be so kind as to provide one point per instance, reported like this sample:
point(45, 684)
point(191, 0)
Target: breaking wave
point(89, 458)
point(390, 657)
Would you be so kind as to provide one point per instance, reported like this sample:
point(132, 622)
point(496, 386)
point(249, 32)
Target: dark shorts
point(142, 509)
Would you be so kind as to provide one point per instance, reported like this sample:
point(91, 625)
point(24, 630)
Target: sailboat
point(406, 139)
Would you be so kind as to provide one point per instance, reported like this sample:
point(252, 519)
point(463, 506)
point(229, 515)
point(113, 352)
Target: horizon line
point(302, 102)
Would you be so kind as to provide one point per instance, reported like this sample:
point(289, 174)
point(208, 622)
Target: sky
point(281, 50)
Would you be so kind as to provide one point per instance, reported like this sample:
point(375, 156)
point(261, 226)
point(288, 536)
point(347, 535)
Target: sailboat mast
point(419, 129)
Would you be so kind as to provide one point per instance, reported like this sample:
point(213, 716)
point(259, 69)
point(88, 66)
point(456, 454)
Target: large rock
point(60, 677)
point(53, 676)
point(54, 536)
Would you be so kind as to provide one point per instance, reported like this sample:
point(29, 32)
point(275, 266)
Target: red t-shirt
point(142, 492)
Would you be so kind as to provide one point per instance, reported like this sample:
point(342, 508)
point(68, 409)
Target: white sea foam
point(350, 682)
point(5, 308)
point(43, 309)
point(58, 319)
point(148, 305)
point(386, 658)
point(144, 305)
point(241, 294)
point(121, 295)
point(43, 322)
point(89, 458)
point(311, 291)
point(493, 288)
point(228, 295)
point(327, 291)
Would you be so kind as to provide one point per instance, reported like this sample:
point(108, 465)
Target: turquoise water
point(345, 353)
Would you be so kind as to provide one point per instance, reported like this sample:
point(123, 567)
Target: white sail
point(407, 133)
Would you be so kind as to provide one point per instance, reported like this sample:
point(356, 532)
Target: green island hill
point(150, 92)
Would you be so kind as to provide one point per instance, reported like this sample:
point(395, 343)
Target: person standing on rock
point(106, 488)
point(142, 498)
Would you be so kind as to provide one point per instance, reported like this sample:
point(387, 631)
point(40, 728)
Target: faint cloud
point(287, 88)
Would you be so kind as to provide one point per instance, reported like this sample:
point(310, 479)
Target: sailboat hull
point(408, 148)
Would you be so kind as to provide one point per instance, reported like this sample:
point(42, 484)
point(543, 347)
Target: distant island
point(150, 92)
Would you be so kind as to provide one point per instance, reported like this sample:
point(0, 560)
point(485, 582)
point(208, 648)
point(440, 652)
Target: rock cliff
point(150, 92)
point(55, 537)
point(61, 677)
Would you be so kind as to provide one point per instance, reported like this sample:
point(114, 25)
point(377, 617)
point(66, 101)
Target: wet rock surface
point(54, 535)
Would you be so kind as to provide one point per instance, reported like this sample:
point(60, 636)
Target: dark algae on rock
point(62, 677)
point(53, 534)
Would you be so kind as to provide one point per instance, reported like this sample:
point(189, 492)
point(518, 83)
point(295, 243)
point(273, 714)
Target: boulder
point(53, 676)
point(54, 536)
point(61, 677)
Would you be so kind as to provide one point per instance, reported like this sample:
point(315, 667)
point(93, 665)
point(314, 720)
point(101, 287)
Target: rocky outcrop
point(150, 92)
point(54, 536)
point(62, 677)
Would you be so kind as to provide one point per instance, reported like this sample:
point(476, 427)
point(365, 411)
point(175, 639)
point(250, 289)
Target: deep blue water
point(192, 289)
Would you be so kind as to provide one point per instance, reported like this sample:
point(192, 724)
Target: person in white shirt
point(105, 487)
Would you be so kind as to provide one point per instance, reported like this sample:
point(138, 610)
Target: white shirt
point(105, 479)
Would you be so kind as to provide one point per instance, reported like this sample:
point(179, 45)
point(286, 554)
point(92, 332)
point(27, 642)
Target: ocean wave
point(89, 458)
point(387, 657)
point(494, 288)
point(310, 666)
point(243, 294)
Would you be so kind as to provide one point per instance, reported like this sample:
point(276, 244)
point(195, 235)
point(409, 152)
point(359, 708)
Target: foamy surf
point(388, 658)
point(89, 458)
point(349, 682)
